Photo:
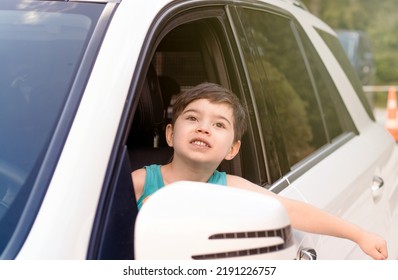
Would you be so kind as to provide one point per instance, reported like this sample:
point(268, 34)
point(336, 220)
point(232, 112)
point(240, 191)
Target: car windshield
point(41, 47)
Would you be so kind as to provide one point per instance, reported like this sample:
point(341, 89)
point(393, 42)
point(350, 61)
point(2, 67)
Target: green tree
point(377, 18)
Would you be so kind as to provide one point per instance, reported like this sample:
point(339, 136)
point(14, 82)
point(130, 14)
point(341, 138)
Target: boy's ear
point(233, 151)
point(169, 135)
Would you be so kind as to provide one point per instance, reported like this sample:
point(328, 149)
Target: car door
point(324, 159)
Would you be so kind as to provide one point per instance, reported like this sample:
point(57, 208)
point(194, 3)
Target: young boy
point(207, 125)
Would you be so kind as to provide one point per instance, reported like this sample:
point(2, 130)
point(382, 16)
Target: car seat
point(147, 144)
point(169, 87)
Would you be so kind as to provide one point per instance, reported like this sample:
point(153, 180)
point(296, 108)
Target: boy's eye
point(191, 118)
point(220, 125)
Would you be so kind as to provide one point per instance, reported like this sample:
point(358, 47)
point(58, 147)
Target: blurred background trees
point(377, 18)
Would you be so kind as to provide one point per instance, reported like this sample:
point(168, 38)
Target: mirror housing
point(191, 220)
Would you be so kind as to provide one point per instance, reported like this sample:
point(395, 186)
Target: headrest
point(169, 87)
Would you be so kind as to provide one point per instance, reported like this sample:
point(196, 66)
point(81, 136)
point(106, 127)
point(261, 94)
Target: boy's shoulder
point(138, 178)
point(237, 181)
point(242, 183)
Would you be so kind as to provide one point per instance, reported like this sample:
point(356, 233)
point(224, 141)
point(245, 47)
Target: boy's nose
point(203, 128)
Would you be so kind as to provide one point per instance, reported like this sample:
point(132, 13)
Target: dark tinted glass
point(289, 86)
point(41, 46)
point(338, 51)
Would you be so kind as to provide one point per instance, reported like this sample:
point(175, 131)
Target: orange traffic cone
point(392, 113)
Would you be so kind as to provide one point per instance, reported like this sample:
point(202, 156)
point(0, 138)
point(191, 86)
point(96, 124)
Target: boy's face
point(204, 132)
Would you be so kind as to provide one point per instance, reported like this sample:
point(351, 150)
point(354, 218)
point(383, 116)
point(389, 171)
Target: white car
point(85, 91)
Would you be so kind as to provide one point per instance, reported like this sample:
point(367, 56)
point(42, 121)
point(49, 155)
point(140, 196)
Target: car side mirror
point(191, 220)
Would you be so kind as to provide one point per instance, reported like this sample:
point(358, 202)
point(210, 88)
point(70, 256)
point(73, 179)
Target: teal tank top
point(154, 181)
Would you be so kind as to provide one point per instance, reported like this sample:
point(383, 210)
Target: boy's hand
point(373, 245)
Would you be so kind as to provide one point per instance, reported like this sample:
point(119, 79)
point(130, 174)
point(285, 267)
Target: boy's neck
point(180, 171)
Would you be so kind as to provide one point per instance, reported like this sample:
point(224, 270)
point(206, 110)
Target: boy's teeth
point(200, 143)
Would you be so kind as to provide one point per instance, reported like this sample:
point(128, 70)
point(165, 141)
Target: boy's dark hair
point(215, 94)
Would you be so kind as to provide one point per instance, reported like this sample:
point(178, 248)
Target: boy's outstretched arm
point(320, 222)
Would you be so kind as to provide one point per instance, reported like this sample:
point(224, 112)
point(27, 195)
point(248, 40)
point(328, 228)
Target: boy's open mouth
point(200, 143)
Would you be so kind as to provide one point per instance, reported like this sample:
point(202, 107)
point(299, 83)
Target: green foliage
point(377, 18)
point(387, 66)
